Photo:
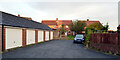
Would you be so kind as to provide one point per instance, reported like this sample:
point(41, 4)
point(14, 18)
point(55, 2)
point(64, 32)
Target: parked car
point(79, 38)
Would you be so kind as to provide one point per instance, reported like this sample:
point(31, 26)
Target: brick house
point(57, 24)
point(17, 31)
point(89, 22)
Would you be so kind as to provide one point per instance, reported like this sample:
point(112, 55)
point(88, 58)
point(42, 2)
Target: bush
point(118, 31)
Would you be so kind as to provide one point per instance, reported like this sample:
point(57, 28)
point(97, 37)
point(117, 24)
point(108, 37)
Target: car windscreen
point(79, 36)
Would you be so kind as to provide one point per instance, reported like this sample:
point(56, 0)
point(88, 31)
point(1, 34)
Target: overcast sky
point(102, 10)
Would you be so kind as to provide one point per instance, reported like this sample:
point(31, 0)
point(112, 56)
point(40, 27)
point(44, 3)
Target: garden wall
point(106, 42)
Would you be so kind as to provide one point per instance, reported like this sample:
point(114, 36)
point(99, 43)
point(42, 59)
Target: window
point(54, 26)
point(66, 26)
point(59, 26)
point(69, 31)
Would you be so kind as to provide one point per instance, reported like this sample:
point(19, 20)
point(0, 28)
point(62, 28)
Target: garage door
point(40, 36)
point(13, 38)
point(30, 37)
point(46, 35)
point(51, 35)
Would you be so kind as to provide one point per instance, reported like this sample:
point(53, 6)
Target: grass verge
point(70, 37)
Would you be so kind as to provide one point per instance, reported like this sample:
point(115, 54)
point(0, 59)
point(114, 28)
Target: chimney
point(56, 19)
point(18, 15)
point(87, 19)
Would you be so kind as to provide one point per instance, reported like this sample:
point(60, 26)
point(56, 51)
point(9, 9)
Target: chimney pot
point(87, 19)
point(18, 15)
point(57, 19)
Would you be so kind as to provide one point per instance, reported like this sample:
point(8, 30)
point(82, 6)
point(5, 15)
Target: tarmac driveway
point(55, 49)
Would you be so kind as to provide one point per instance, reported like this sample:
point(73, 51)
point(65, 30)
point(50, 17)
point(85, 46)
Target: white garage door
point(30, 37)
point(13, 38)
point(40, 36)
point(46, 35)
point(51, 35)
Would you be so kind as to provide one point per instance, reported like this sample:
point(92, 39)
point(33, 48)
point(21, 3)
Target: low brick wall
point(106, 41)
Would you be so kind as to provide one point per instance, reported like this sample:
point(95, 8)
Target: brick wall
point(44, 36)
point(24, 37)
point(36, 36)
point(4, 40)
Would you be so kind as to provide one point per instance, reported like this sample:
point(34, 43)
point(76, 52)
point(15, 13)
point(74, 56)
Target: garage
point(13, 37)
point(40, 36)
point(30, 36)
point(51, 36)
point(46, 35)
point(17, 31)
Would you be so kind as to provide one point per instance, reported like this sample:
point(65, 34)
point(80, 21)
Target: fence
point(106, 41)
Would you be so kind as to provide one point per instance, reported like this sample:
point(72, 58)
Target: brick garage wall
point(4, 40)
point(56, 33)
point(0, 38)
point(36, 36)
point(24, 37)
point(44, 36)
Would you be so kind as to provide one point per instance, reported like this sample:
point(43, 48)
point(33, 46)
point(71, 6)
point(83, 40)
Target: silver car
point(79, 38)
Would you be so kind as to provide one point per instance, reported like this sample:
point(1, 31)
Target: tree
point(77, 26)
point(90, 29)
point(105, 27)
point(62, 30)
point(95, 27)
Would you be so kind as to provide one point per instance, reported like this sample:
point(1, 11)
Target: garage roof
point(15, 21)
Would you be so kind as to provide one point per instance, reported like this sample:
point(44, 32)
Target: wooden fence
point(106, 41)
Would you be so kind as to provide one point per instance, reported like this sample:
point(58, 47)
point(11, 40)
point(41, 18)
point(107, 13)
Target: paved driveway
point(55, 49)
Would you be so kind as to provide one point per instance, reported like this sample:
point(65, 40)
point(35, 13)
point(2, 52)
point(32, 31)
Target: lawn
point(70, 37)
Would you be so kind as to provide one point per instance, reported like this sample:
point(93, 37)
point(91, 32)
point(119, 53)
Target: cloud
point(43, 9)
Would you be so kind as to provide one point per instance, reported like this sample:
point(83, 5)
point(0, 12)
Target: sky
point(102, 10)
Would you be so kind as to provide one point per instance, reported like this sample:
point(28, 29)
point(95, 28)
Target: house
point(89, 22)
point(17, 31)
point(57, 24)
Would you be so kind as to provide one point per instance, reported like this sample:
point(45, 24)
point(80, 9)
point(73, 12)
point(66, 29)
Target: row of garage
point(16, 31)
point(15, 37)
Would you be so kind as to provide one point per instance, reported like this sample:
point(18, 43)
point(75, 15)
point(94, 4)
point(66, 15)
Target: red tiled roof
point(49, 22)
point(53, 22)
point(91, 22)
point(65, 22)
